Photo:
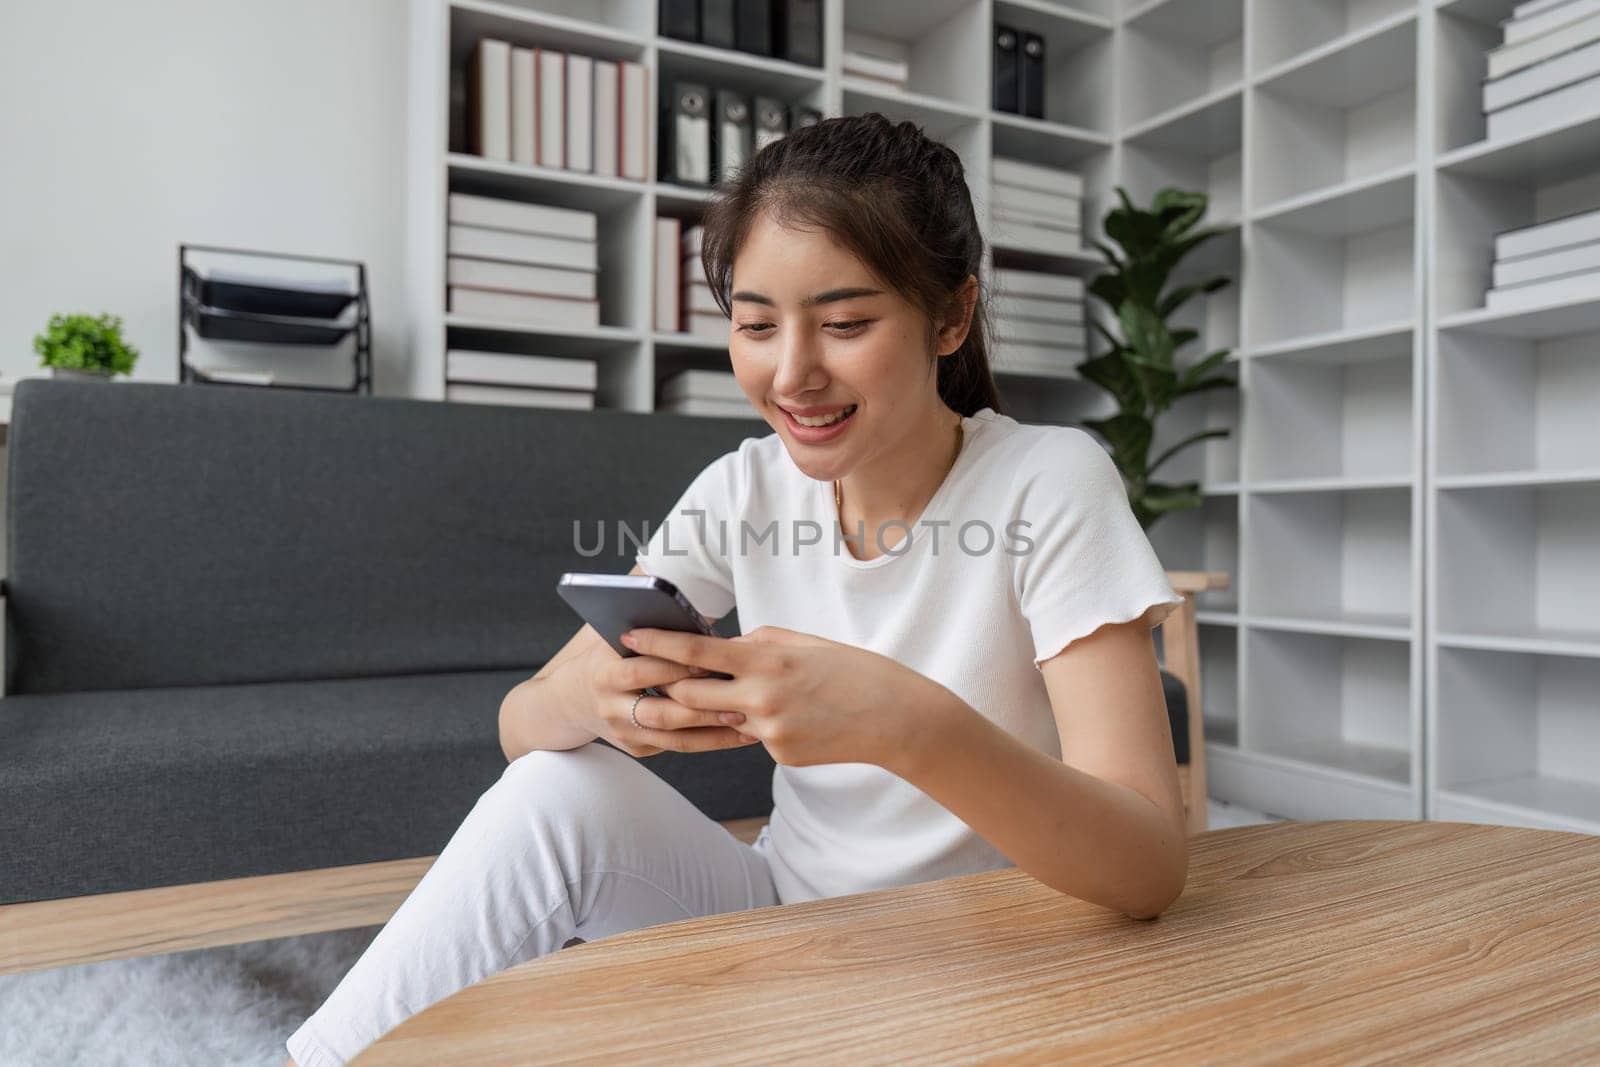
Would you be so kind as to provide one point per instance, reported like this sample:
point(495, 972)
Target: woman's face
point(815, 337)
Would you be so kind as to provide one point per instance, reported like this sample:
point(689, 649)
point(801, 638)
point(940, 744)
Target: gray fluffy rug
point(231, 1006)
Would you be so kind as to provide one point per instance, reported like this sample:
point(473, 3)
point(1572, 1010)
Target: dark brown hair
point(895, 198)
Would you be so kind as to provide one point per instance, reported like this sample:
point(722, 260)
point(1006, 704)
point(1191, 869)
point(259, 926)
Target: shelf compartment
point(1212, 462)
point(1341, 556)
point(1330, 701)
point(1177, 52)
point(565, 27)
point(1472, 211)
point(1341, 41)
point(1219, 683)
point(1519, 561)
point(721, 68)
point(622, 225)
point(1203, 539)
point(1342, 346)
point(1019, 137)
point(1543, 157)
point(1077, 59)
point(1362, 281)
point(936, 40)
point(617, 353)
point(1370, 203)
point(1197, 147)
point(1348, 116)
point(1518, 737)
point(1524, 407)
point(1331, 420)
point(1297, 789)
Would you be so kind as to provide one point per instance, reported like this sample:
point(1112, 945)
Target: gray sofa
point(253, 631)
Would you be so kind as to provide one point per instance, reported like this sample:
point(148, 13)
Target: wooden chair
point(1180, 645)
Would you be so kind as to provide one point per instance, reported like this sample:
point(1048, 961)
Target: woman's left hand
point(808, 699)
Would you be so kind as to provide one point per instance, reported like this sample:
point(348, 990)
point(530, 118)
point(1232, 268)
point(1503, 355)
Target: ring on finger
point(633, 710)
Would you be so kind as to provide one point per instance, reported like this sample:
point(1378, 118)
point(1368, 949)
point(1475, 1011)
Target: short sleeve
point(1082, 560)
point(689, 547)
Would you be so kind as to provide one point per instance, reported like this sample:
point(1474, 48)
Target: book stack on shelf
point(783, 29)
point(708, 133)
point(527, 263)
point(538, 107)
point(1018, 72)
point(1038, 322)
point(1037, 208)
point(875, 59)
point(273, 314)
point(509, 378)
point(704, 392)
point(701, 315)
point(1547, 67)
point(1552, 262)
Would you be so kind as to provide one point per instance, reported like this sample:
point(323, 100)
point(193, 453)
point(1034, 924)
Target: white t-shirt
point(975, 604)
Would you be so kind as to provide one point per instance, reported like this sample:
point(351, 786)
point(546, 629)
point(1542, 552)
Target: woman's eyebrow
point(828, 297)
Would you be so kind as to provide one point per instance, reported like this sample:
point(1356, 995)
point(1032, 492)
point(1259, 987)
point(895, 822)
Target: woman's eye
point(756, 328)
point(847, 327)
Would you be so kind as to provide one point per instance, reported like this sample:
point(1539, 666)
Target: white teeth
point(823, 420)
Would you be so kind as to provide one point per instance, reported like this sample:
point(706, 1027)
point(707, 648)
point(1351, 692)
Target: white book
point(1053, 360)
point(693, 237)
point(1016, 198)
point(713, 408)
point(711, 326)
point(635, 106)
point(524, 102)
point(881, 67)
point(1008, 281)
point(1549, 265)
point(509, 368)
point(481, 243)
point(1034, 176)
point(1545, 110)
point(1578, 229)
point(552, 107)
point(1061, 223)
point(1511, 57)
point(606, 117)
point(1522, 27)
point(1533, 7)
point(554, 312)
point(1568, 67)
point(1561, 290)
point(697, 297)
point(1035, 332)
point(1037, 308)
point(703, 384)
point(668, 276)
point(519, 278)
point(580, 113)
point(520, 397)
point(500, 214)
point(489, 94)
point(1036, 239)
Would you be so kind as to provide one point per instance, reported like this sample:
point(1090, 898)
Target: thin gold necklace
point(838, 494)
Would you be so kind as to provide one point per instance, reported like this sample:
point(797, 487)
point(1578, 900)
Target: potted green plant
point(1140, 368)
point(85, 346)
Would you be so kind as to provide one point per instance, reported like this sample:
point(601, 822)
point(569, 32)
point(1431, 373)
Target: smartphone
point(616, 603)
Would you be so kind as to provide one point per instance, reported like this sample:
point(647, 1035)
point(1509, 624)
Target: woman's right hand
point(614, 681)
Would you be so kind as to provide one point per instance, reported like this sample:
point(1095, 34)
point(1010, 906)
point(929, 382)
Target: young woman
point(947, 620)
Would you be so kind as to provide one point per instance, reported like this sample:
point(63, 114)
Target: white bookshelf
point(1407, 505)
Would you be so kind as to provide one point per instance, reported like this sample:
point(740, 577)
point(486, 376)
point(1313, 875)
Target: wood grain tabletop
point(1340, 942)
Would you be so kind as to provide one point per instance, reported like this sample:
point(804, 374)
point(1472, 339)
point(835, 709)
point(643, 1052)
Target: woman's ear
point(958, 322)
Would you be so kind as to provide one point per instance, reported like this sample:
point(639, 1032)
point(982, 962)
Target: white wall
point(127, 126)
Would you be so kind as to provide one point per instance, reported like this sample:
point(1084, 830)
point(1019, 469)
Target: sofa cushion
point(176, 535)
point(131, 789)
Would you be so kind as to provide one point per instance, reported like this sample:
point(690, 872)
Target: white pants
point(582, 843)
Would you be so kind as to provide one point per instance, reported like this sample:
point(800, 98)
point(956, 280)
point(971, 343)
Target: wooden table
point(1304, 943)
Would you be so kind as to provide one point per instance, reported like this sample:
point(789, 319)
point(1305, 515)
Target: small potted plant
point(83, 346)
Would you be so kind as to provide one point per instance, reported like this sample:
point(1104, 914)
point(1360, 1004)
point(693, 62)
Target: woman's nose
point(799, 364)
